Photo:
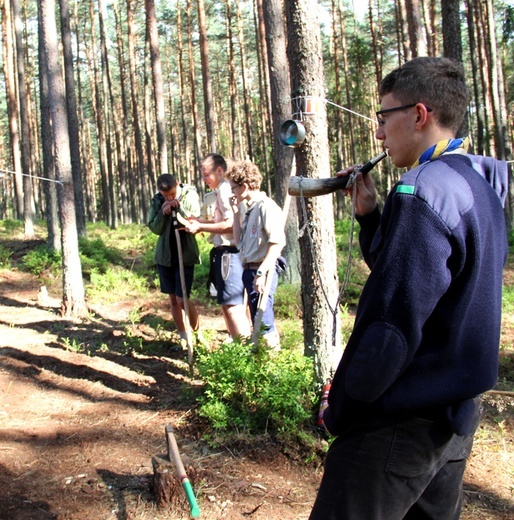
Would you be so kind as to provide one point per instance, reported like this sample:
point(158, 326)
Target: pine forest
point(152, 86)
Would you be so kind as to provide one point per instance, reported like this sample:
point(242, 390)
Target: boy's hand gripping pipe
point(306, 187)
point(174, 455)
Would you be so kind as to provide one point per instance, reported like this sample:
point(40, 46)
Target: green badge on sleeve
point(405, 188)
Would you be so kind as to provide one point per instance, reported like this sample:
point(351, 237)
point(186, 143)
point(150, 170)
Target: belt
point(252, 265)
point(229, 249)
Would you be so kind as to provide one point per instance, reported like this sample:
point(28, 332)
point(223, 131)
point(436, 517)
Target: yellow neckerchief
point(444, 146)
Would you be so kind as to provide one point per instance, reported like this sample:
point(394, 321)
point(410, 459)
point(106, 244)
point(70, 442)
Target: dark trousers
point(268, 316)
point(384, 469)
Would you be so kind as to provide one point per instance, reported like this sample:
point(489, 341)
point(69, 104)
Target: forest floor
point(78, 429)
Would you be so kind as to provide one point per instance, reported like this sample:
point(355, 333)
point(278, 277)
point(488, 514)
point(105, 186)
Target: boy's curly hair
point(245, 172)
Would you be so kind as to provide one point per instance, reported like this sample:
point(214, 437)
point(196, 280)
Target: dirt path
point(78, 431)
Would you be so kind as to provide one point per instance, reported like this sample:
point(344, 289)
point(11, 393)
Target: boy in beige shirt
point(259, 234)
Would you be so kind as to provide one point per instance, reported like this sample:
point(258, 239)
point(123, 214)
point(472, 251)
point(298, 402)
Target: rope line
point(29, 175)
point(305, 229)
point(351, 111)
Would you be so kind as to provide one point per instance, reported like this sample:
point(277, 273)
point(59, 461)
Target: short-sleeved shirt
point(223, 211)
point(207, 210)
point(262, 225)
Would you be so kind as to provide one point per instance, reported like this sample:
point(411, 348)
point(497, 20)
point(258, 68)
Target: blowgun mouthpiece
point(372, 163)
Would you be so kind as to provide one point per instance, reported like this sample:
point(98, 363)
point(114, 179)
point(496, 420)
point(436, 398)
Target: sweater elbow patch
point(376, 363)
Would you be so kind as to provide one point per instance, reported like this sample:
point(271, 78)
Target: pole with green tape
point(174, 454)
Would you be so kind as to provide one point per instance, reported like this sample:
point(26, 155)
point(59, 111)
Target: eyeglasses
point(381, 122)
point(234, 187)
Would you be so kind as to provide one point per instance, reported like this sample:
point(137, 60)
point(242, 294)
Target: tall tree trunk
point(192, 81)
point(185, 113)
point(499, 110)
point(88, 166)
point(28, 203)
point(108, 115)
point(477, 98)
point(483, 61)
point(50, 187)
point(73, 124)
point(428, 14)
point(244, 79)
point(140, 180)
point(206, 78)
point(452, 41)
point(97, 103)
point(319, 259)
point(12, 104)
point(417, 43)
point(158, 88)
point(73, 300)
point(283, 157)
point(375, 39)
point(232, 86)
point(151, 177)
point(404, 51)
point(264, 91)
point(128, 202)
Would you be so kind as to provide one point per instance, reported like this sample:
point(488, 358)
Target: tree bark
point(452, 41)
point(158, 88)
point(12, 104)
point(108, 115)
point(50, 187)
point(73, 124)
point(28, 202)
point(140, 178)
point(206, 78)
point(232, 85)
point(284, 163)
point(192, 81)
point(416, 40)
point(185, 113)
point(319, 270)
point(128, 200)
point(248, 124)
point(73, 301)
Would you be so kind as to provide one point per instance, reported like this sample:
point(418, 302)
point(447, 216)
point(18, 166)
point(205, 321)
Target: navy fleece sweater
point(427, 329)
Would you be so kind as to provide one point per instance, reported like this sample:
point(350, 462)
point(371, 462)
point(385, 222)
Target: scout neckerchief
point(446, 145)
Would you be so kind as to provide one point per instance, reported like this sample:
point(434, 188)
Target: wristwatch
point(259, 273)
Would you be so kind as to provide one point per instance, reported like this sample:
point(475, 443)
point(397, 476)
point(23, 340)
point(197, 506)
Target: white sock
point(182, 334)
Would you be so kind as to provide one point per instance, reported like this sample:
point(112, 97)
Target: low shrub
point(5, 257)
point(41, 259)
point(94, 254)
point(256, 392)
point(115, 284)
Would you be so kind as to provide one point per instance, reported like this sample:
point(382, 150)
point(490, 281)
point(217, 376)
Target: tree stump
point(167, 487)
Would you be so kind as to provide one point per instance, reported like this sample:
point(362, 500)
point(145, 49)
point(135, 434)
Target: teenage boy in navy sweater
point(404, 401)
